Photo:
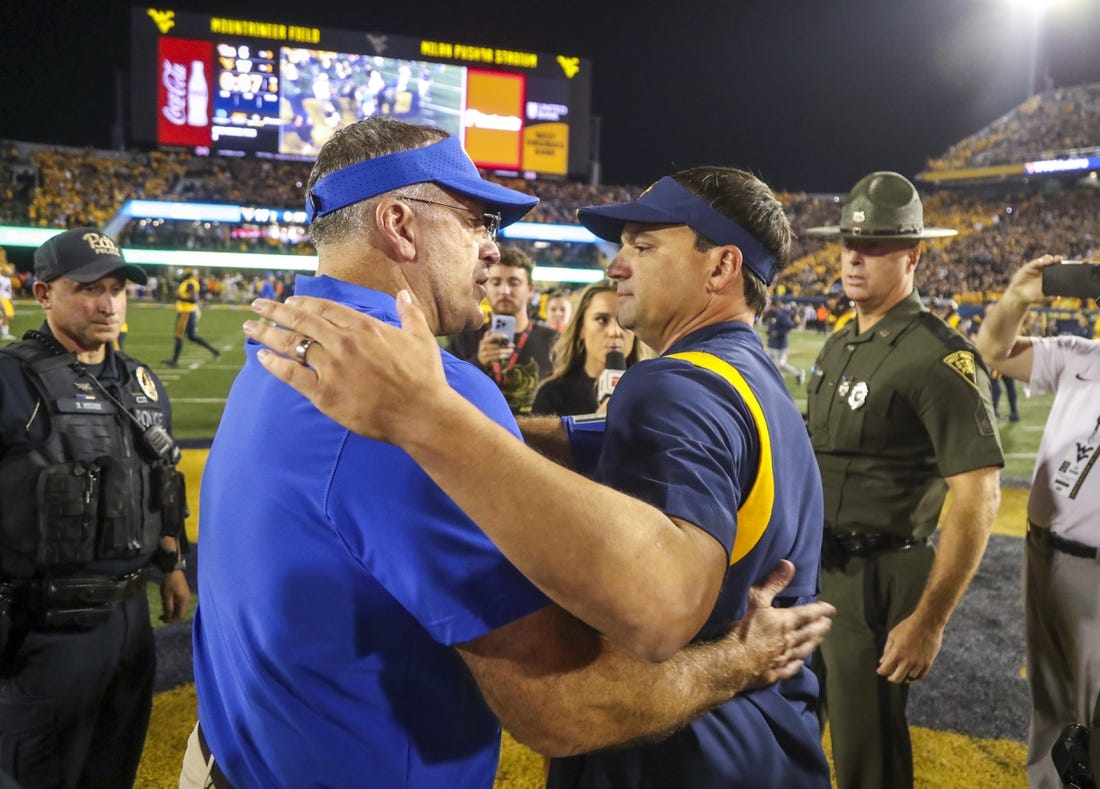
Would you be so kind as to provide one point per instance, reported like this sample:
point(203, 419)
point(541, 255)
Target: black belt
point(89, 590)
point(217, 778)
point(838, 547)
point(866, 543)
point(1061, 544)
point(73, 601)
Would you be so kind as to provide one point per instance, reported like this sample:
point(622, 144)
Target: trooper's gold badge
point(962, 362)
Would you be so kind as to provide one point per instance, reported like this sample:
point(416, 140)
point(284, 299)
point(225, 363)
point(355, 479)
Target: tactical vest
point(90, 490)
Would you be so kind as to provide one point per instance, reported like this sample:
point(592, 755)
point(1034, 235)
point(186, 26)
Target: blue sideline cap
point(668, 202)
point(443, 163)
point(84, 254)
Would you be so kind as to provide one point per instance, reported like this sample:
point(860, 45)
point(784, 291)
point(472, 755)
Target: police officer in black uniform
point(89, 500)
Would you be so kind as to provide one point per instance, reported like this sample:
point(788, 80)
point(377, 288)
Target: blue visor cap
point(443, 163)
point(669, 203)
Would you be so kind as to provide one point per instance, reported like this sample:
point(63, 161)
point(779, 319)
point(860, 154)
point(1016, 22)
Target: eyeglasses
point(489, 223)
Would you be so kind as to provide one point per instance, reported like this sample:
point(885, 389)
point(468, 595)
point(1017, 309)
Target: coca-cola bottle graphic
point(197, 96)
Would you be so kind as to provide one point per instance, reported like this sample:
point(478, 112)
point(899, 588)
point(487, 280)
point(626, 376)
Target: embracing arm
point(546, 435)
point(644, 579)
point(914, 643)
point(562, 689)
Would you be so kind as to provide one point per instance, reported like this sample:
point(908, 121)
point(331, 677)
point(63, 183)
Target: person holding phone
point(1061, 571)
point(510, 348)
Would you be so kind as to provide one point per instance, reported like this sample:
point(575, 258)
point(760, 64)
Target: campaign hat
point(882, 205)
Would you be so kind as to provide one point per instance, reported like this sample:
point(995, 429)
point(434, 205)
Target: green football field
point(199, 386)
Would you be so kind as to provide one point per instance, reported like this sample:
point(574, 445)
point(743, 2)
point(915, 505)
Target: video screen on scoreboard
point(323, 91)
point(238, 87)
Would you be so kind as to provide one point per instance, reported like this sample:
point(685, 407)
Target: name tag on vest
point(73, 405)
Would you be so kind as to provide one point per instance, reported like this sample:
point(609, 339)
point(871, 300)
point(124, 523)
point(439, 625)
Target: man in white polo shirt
point(1062, 572)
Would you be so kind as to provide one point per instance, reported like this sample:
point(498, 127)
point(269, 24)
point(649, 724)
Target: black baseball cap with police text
point(84, 254)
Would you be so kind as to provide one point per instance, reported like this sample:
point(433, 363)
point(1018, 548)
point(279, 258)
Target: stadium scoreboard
point(237, 87)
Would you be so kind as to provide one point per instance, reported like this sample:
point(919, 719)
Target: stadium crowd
point(999, 225)
point(1048, 125)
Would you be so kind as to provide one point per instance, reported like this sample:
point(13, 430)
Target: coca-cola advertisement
point(183, 92)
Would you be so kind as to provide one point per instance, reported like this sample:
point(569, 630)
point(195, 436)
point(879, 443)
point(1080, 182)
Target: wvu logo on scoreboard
point(569, 65)
point(378, 43)
point(164, 20)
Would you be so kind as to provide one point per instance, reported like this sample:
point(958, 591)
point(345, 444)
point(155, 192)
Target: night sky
point(809, 94)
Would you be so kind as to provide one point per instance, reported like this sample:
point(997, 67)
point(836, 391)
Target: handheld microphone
point(614, 366)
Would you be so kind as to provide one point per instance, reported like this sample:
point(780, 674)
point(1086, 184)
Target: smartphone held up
point(1072, 278)
point(504, 325)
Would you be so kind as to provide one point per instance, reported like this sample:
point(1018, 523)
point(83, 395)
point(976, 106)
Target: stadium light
point(1038, 9)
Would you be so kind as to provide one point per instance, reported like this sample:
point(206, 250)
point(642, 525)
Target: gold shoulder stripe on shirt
point(756, 508)
point(962, 362)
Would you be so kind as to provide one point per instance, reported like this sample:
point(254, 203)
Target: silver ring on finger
point(301, 349)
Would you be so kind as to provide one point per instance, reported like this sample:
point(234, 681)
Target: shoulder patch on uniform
point(962, 362)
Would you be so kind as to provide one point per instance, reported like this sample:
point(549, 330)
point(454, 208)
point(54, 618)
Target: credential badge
point(145, 381)
point(858, 396)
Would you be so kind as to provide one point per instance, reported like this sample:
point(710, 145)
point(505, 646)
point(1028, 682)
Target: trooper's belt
point(869, 543)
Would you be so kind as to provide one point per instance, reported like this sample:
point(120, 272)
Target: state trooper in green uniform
point(899, 412)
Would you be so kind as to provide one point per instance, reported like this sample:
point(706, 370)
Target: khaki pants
point(1063, 650)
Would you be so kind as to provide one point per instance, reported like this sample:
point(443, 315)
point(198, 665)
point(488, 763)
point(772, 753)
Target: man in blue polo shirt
point(707, 471)
point(347, 602)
